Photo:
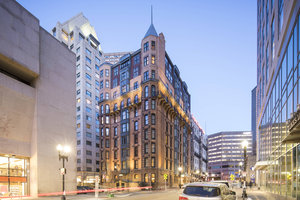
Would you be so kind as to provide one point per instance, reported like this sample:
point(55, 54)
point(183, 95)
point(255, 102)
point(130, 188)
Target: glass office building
point(278, 97)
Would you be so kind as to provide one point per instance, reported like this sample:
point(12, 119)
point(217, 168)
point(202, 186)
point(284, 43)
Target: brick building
point(144, 118)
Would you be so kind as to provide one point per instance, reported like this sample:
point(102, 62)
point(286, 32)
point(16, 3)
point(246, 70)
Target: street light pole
point(63, 155)
point(179, 169)
point(244, 145)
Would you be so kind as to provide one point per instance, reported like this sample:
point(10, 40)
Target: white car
point(207, 191)
point(222, 181)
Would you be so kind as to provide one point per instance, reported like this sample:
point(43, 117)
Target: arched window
point(146, 91)
point(136, 99)
point(122, 104)
point(115, 107)
point(106, 108)
point(102, 111)
point(128, 102)
point(153, 90)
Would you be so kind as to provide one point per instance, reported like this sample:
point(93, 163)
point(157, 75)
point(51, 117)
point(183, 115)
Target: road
point(157, 195)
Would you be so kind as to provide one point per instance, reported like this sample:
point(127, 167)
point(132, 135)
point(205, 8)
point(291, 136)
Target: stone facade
point(36, 105)
point(144, 124)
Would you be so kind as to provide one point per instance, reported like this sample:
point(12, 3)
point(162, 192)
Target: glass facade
point(282, 173)
point(14, 173)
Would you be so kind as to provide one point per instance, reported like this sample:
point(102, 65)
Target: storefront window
point(13, 176)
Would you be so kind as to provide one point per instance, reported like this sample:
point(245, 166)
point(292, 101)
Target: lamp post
point(180, 169)
point(63, 152)
point(245, 145)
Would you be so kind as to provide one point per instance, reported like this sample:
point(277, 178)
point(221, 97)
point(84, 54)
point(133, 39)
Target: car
point(84, 189)
point(207, 191)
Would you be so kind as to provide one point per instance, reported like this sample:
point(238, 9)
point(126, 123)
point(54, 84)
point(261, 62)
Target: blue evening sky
point(213, 43)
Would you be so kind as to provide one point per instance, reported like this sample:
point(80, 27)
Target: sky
point(212, 42)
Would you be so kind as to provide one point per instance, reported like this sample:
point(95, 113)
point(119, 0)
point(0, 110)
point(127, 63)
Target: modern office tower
point(198, 151)
point(80, 37)
point(253, 119)
point(36, 106)
point(145, 126)
point(278, 97)
point(113, 58)
point(225, 153)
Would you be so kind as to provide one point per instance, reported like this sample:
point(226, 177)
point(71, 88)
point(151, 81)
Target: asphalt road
point(157, 195)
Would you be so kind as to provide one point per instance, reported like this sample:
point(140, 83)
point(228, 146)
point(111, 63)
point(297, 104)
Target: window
point(122, 105)
point(78, 58)
point(88, 85)
point(88, 68)
point(78, 92)
point(88, 52)
point(115, 131)
point(153, 119)
point(146, 120)
point(101, 73)
point(153, 74)
point(78, 108)
point(88, 76)
point(78, 161)
point(78, 142)
point(78, 125)
point(78, 117)
point(152, 59)
point(146, 91)
point(136, 152)
point(89, 143)
point(146, 60)
point(106, 143)
point(88, 60)
point(135, 167)
point(78, 153)
point(106, 131)
point(136, 112)
point(128, 102)
point(116, 71)
point(81, 37)
point(146, 105)
point(146, 76)
point(88, 118)
point(106, 108)
point(280, 15)
point(153, 90)
point(97, 83)
point(107, 84)
point(153, 104)
point(152, 45)
point(88, 126)
point(136, 138)
point(78, 100)
point(153, 133)
point(89, 110)
point(97, 61)
point(78, 50)
point(101, 96)
point(88, 93)
point(135, 72)
point(136, 125)
point(272, 40)
point(136, 99)
point(106, 72)
point(152, 147)
point(115, 82)
point(135, 85)
point(107, 119)
point(146, 148)
point(146, 134)
point(146, 46)
point(136, 59)
point(89, 153)
point(88, 161)
point(78, 75)
point(115, 156)
point(106, 95)
point(153, 164)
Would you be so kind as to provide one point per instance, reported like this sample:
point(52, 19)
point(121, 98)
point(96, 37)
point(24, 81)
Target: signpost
point(166, 178)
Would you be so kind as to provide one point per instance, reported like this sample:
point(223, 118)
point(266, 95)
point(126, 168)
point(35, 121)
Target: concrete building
point(253, 119)
point(278, 96)
point(198, 151)
point(144, 119)
point(114, 57)
point(36, 105)
point(226, 155)
point(79, 36)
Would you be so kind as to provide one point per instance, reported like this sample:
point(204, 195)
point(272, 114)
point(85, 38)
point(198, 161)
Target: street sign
point(232, 177)
point(165, 176)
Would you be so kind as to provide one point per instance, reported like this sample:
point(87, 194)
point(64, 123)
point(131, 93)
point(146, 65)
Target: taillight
point(183, 198)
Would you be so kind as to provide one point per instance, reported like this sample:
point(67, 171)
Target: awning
point(260, 165)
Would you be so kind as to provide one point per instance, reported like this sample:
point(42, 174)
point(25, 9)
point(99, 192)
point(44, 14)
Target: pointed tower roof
point(151, 30)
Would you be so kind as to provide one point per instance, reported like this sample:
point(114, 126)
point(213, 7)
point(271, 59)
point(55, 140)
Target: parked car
point(207, 191)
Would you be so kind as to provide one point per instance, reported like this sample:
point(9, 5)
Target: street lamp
point(63, 152)
point(180, 169)
point(245, 145)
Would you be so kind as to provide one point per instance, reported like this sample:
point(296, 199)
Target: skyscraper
point(80, 37)
point(144, 119)
point(253, 119)
point(278, 97)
